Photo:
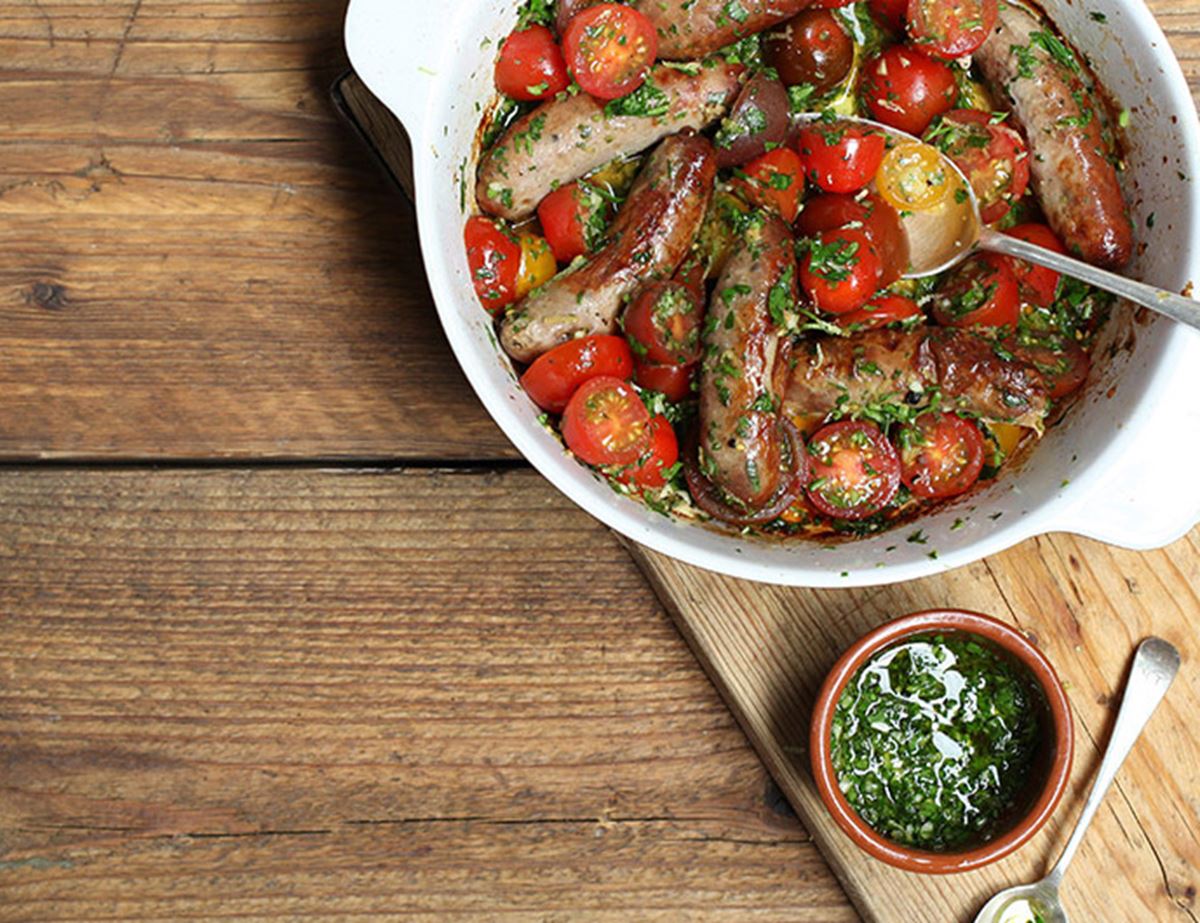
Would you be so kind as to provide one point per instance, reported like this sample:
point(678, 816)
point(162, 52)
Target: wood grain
point(1086, 605)
point(199, 259)
point(273, 695)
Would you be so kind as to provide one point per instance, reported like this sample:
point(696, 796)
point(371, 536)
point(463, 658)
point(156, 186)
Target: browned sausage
point(895, 367)
point(744, 372)
point(1070, 161)
point(690, 29)
point(565, 138)
point(649, 238)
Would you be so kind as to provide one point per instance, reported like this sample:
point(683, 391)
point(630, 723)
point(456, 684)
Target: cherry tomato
point(839, 158)
point(1065, 364)
point(907, 89)
point(830, 4)
point(554, 377)
point(774, 181)
point(914, 178)
point(531, 66)
point(573, 218)
point(881, 311)
point(951, 28)
point(1039, 285)
point(494, 256)
point(537, 263)
point(663, 324)
point(673, 381)
point(872, 215)
point(981, 292)
point(811, 48)
point(841, 270)
point(993, 157)
point(606, 423)
point(891, 13)
point(941, 455)
point(609, 49)
point(661, 453)
point(855, 471)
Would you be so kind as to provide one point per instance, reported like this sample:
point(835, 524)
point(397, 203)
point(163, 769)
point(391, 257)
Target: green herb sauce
point(933, 740)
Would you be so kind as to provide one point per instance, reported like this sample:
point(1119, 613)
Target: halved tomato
point(606, 423)
point(554, 377)
point(663, 324)
point(609, 49)
point(1039, 285)
point(941, 455)
point(774, 181)
point(855, 471)
point(841, 270)
point(879, 312)
point(951, 28)
point(992, 156)
point(661, 453)
point(840, 158)
point(982, 292)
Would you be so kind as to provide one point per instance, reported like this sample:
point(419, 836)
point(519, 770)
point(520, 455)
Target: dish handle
point(399, 65)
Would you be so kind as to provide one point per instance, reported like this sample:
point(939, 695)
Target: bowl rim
point(1009, 639)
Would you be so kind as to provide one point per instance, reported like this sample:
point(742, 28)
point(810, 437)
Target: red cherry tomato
point(874, 217)
point(606, 423)
point(982, 292)
point(951, 28)
point(1066, 365)
point(830, 4)
point(554, 377)
point(941, 455)
point(661, 453)
point(531, 66)
point(839, 158)
point(887, 309)
point(854, 469)
point(774, 181)
point(494, 256)
point(993, 157)
point(1039, 285)
point(573, 220)
point(609, 49)
point(663, 324)
point(907, 89)
point(841, 270)
point(673, 381)
point(891, 13)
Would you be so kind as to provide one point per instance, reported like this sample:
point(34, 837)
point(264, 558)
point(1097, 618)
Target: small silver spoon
point(1154, 667)
point(942, 237)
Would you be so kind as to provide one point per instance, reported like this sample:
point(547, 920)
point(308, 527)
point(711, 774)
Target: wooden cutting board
point(767, 649)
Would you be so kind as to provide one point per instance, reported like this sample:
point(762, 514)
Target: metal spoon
point(1154, 666)
point(946, 235)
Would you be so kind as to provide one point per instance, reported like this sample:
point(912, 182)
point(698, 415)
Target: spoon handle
point(1177, 307)
point(1154, 667)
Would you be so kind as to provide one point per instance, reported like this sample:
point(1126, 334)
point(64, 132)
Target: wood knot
point(48, 295)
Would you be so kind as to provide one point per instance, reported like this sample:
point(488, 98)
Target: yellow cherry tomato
point(913, 178)
point(537, 264)
point(1008, 436)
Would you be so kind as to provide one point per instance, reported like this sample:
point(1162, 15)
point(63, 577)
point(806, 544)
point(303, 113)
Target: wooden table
point(286, 627)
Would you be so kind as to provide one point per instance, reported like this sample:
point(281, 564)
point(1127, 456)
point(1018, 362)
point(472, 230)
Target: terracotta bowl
point(1047, 778)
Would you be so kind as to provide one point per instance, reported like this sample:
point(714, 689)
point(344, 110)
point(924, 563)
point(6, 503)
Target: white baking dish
point(1121, 469)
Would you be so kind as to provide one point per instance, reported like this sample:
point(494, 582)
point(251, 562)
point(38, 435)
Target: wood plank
point(277, 694)
point(1086, 605)
point(200, 260)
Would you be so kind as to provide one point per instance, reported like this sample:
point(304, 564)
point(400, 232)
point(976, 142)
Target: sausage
point(900, 367)
point(744, 372)
point(565, 138)
point(1070, 160)
point(651, 235)
point(690, 29)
